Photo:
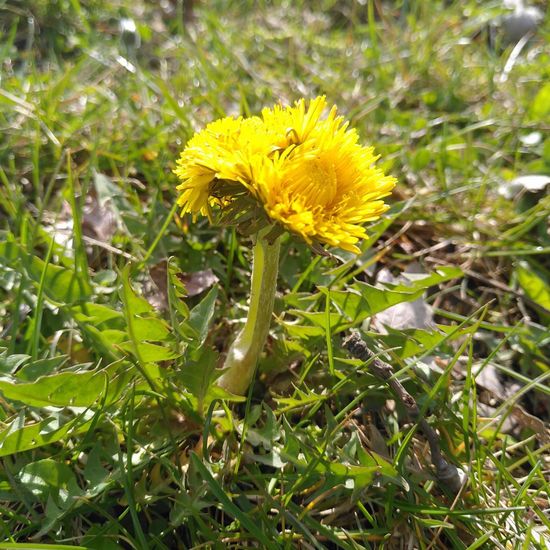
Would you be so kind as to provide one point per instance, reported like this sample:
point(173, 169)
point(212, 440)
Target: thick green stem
point(244, 353)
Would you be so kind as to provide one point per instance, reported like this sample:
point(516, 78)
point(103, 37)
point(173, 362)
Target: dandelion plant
point(292, 169)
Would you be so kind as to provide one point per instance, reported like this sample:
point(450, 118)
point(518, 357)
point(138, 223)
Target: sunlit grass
point(113, 433)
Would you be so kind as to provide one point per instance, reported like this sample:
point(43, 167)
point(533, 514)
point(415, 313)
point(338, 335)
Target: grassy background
point(112, 433)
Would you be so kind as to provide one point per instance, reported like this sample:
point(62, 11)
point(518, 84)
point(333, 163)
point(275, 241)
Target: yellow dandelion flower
point(308, 173)
point(293, 125)
point(220, 152)
point(326, 186)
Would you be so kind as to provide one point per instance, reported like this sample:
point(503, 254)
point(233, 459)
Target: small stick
point(447, 474)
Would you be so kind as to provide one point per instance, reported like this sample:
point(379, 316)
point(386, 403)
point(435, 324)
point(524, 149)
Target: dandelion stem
point(244, 353)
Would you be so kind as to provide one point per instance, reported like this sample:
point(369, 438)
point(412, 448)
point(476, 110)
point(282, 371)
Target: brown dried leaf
point(417, 314)
point(526, 420)
point(198, 281)
point(494, 392)
point(156, 290)
point(98, 220)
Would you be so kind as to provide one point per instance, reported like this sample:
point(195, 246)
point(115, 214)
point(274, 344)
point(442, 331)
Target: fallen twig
point(447, 474)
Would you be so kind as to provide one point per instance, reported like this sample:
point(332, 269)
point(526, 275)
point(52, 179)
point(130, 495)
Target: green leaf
point(361, 475)
point(105, 342)
point(304, 333)
point(434, 523)
point(363, 300)
point(75, 389)
point(41, 367)
point(196, 327)
point(134, 304)
point(421, 159)
point(318, 323)
point(199, 376)
point(143, 327)
point(61, 285)
point(540, 108)
point(148, 352)
point(54, 485)
point(407, 343)
point(386, 469)
point(95, 313)
point(152, 329)
point(10, 363)
point(179, 312)
point(267, 434)
point(47, 478)
point(15, 439)
point(533, 285)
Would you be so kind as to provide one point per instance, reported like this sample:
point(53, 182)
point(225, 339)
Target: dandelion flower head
point(307, 173)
